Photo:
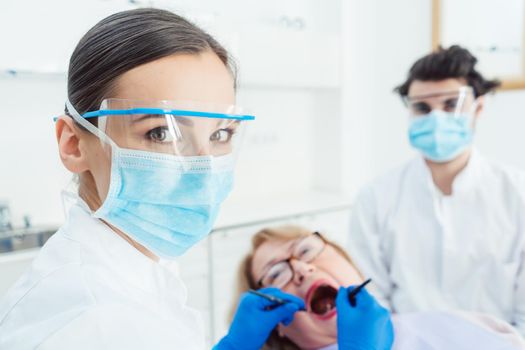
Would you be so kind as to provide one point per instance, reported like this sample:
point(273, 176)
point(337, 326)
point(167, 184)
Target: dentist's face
point(316, 282)
point(183, 77)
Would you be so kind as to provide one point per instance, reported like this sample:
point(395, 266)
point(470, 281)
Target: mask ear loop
point(102, 136)
point(90, 127)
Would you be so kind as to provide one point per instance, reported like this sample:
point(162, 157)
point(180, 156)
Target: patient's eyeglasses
point(306, 250)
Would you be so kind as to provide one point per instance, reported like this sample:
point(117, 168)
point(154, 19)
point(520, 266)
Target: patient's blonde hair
point(245, 279)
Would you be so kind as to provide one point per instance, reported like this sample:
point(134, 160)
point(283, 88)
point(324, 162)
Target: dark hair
point(128, 39)
point(454, 62)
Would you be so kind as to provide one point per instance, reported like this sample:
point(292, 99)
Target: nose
point(200, 149)
point(204, 151)
point(301, 270)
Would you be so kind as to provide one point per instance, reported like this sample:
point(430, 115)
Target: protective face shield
point(441, 123)
point(172, 166)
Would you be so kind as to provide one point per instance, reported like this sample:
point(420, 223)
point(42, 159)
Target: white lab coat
point(90, 289)
point(427, 251)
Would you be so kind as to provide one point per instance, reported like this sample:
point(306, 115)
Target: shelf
point(13, 73)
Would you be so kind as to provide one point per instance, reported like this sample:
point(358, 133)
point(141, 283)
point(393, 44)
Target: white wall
point(383, 39)
point(501, 129)
point(31, 175)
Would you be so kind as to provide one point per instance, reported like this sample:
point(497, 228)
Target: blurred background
point(318, 75)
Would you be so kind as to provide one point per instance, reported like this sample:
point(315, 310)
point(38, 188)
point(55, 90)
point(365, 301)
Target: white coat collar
point(467, 179)
point(124, 260)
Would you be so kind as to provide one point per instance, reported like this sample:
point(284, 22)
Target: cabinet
point(278, 46)
point(38, 37)
point(284, 58)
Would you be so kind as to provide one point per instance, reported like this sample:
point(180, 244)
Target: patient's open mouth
point(322, 301)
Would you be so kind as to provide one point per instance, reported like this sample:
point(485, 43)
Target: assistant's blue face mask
point(441, 136)
point(165, 202)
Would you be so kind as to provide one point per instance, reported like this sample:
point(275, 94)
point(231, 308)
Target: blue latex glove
point(252, 324)
point(367, 326)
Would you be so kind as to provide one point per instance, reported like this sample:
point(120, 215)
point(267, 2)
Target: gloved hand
point(367, 326)
point(253, 324)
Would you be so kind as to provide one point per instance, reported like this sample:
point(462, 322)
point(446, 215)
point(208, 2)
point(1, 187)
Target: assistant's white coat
point(427, 251)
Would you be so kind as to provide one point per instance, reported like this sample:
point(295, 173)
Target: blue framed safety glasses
point(171, 127)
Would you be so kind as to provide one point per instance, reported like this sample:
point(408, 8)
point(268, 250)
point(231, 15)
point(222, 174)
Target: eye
point(275, 272)
point(450, 105)
point(421, 108)
point(274, 275)
point(222, 135)
point(160, 134)
point(303, 251)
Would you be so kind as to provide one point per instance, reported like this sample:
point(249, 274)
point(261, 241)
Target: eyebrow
point(233, 122)
point(147, 116)
point(435, 94)
point(274, 261)
point(420, 104)
point(183, 120)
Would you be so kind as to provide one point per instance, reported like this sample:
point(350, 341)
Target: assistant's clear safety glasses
point(458, 102)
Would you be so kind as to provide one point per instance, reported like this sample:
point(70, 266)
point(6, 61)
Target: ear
point(68, 139)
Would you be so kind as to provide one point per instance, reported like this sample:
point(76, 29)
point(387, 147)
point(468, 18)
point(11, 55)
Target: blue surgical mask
point(165, 204)
point(441, 136)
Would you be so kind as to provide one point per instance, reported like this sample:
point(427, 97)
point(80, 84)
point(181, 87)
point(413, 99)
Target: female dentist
point(152, 130)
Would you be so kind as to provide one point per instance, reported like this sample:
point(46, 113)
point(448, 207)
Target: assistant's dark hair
point(119, 43)
point(454, 62)
point(128, 39)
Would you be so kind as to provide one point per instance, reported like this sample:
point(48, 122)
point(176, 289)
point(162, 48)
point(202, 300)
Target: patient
point(306, 264)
